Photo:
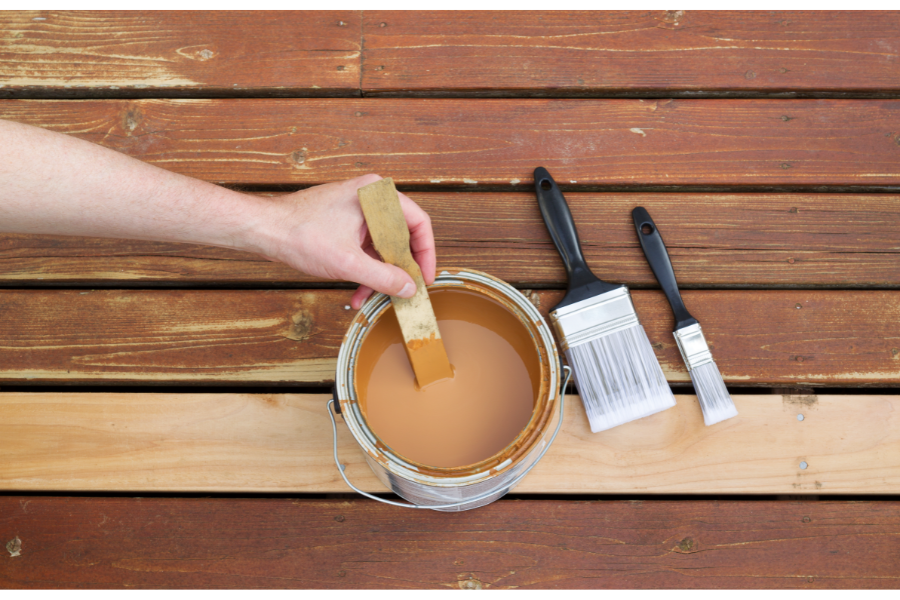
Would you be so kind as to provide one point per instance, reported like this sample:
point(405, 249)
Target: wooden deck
point(162, 406)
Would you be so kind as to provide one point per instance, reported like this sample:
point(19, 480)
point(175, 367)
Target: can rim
point(518, 449)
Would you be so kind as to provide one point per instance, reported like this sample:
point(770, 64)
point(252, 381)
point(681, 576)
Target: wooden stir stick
point(390, 235)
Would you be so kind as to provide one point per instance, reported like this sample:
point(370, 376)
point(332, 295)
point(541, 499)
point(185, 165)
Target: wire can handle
point(562, 397)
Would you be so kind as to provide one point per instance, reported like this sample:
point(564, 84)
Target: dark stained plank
point(773, 240)
point(639, 53)
point(714, 240)
point(758, 337)
point(71, 542)
point(175, 336)
point(467, 143)
point(171, 53)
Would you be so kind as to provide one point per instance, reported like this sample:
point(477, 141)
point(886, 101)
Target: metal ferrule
point(594, 318)
point(693, 346)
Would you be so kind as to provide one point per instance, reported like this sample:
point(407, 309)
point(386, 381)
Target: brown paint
point(428, 359)
point(461, 421)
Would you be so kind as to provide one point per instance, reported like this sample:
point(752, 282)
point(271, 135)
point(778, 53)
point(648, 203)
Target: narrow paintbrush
point(715, 401)
point(618, 375)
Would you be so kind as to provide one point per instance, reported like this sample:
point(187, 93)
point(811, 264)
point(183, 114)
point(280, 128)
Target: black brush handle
point(583, 283)
point(658, 257)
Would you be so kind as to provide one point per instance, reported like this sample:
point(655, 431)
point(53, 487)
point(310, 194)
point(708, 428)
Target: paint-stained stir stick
point(390, 235)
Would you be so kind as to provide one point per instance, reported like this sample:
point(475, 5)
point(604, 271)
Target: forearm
point(56, 184)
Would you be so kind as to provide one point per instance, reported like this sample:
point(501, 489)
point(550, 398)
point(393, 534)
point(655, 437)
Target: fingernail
point(408, 291)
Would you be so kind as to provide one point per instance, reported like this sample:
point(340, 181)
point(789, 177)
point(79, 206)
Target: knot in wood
point(470, 584)
point(686, 545)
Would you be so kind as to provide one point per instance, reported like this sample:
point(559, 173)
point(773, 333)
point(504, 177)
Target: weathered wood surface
point(773, 240)
point(498, 143)
point(153, 53)
point(174, 336)
point(757, 337)
point(645, 54)
point(283, 443)
point(250, 543)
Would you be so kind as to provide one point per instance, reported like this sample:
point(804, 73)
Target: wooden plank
point(788, 338)
point(175, 336)
point(274, 543)
point(83, 54)
point(772, 240)
point(640, 53)
point(466, 143)
point(283, 443)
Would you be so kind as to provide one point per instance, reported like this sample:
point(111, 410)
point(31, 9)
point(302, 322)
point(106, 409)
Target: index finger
point(421, 237)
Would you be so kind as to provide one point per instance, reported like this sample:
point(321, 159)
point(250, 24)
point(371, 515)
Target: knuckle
point(345, 265)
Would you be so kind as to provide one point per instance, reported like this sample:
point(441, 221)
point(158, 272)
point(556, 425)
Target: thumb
point(384, 278)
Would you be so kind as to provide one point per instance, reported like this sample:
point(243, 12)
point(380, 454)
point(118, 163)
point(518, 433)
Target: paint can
point(472, 486)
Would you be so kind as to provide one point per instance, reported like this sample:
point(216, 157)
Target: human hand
point(94, 191)
point(322, 231)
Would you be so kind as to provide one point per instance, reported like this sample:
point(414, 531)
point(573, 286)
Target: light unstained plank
point(96, 542)
point(283, 443)
point(789, 240)
point(292, 337)
point(640, 53)
point(486, 142)
point(174, 53)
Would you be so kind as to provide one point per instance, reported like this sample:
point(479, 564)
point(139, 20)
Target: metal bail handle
point(518, 478)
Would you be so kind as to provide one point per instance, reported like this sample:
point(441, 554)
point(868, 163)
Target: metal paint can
point(462, 488)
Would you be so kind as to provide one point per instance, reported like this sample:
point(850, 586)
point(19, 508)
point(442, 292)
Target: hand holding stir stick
point(390, 236)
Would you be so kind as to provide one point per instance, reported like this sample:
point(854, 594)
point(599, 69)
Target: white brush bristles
point(715, 401)
point(619, 378)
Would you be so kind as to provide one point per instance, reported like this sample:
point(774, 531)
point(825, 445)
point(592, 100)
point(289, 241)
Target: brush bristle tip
point(715, 401)
point(619, 378)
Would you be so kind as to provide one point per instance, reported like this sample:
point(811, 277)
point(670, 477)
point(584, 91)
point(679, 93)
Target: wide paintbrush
point(618, 376)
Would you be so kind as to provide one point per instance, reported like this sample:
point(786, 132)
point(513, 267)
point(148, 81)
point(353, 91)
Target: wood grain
point(175, 336)
point(84, 54)
point(246, 443)
point(639, 53)
point(715, 240)
point(498, 143)
point(283, 443)
point(792, 338)
point(650, 53)
point(528, 544)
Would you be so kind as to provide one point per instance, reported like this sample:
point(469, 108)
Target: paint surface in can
point(470, 486)
point(468, 419)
